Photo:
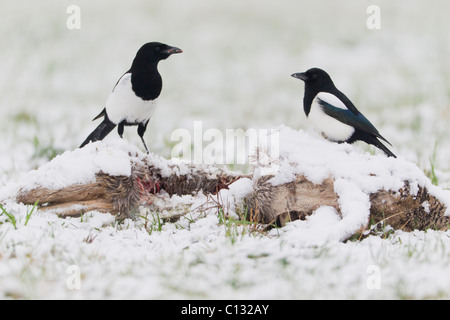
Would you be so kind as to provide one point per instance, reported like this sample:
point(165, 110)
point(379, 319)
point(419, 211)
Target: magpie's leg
point(141, 130)
point(120, 129)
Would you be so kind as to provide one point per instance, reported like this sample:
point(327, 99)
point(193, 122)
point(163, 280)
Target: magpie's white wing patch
point(331, 99)
point(123, 104)
point(329, 127)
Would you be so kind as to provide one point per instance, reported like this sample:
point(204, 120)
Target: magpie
point(134, 97)
point(333, 114)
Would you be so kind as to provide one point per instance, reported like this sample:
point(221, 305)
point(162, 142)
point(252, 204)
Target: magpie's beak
point(301, 76)
point(172, 50)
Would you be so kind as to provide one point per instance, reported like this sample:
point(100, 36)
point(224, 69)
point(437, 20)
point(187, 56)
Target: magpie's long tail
point(374, 141)
point(100, 132)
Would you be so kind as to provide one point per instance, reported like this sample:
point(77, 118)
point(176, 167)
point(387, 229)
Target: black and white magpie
point(134, 97)
point(333, 114)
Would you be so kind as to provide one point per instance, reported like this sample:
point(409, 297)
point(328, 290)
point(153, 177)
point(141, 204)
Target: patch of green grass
point(29, 213)
point(25, 117)
point(236, 227)
point(10, 217)
point(46, 151)
point(432, 173)
point(153, 222)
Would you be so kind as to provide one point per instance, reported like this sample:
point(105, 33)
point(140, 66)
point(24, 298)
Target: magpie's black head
point(156, 51)
point(314, 77)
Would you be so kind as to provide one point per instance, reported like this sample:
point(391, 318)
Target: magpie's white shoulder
point(331, 99)
point(125, 79)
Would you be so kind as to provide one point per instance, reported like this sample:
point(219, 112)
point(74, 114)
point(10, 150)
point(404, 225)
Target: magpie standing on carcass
point(134, 97)
point(333, 114)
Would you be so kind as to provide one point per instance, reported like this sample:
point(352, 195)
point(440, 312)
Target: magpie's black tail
point(374, 141)
point(100, 132)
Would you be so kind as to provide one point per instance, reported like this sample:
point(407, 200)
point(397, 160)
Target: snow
point(356, 175)
point(318, 229)
point(55, 80)
point(146, 258)
point(81, 165)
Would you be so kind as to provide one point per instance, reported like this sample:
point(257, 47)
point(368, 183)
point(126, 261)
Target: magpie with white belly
point(333, 114)
point(133, 99)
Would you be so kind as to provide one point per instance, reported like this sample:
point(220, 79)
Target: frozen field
point(234, 73)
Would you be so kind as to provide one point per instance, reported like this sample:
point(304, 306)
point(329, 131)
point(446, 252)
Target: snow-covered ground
point(234, 73)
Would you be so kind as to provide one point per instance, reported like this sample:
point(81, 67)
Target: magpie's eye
point(314, 76)
point(157, 49)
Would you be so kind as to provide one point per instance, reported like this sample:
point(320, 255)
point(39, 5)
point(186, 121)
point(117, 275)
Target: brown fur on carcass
point(300, 198)
point(267, 204)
